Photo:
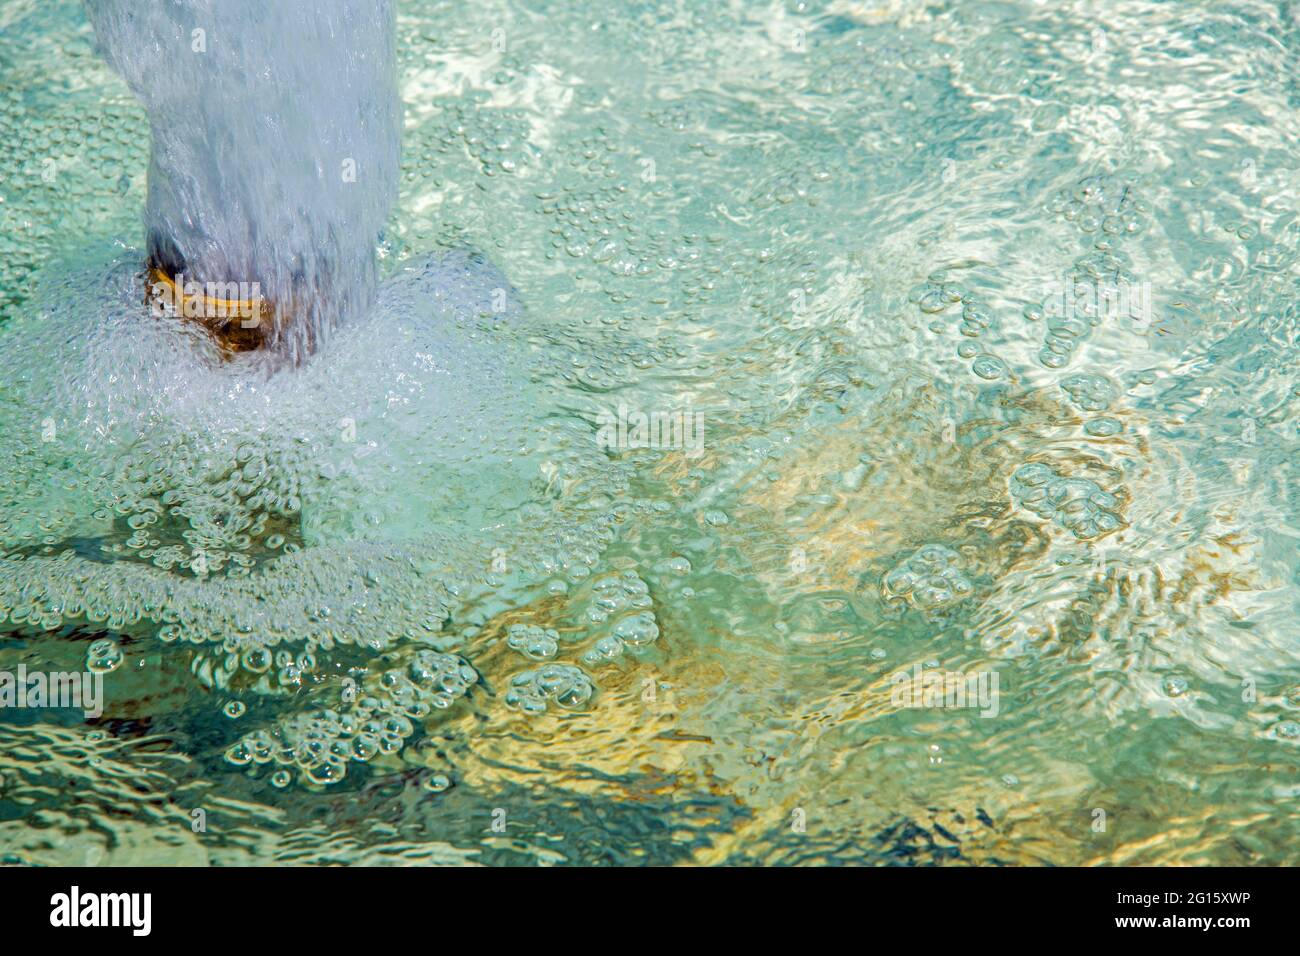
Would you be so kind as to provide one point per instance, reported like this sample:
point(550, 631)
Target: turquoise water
point(977, 325)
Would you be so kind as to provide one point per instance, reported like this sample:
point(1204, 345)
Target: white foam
point(148, 480)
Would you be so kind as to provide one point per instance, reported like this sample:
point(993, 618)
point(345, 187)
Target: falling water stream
point(693, 379)
point(274, 146)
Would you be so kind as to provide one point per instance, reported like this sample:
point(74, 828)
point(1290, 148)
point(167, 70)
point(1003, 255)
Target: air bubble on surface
point(616, 593)
point(606, 649)
point(564, 685)
point(323, 743)
point(1104, 427)
point(989, 367)
point(538, 643)
point(637, 629)
point(1090, 392)
point(620, 611)
point(104, 656)
point(1079, 505)
point(928, 580)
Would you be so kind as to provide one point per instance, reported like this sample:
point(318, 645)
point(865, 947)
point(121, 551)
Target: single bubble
point(104, 656)
point(1103, 427)
point(989, 367)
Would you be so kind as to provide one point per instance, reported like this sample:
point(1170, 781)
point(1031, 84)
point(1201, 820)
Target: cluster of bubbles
point(596, 224)
point(320, 744)
point(61, 165)
point(619, 614)
point(1079, 505)
point(496, 140)
point(1102, 274)
point(788, 186)
point(623, 602)
point(1096, 288)
point(432, 679)
point(1090, 392)
point(534, 641)
point(1105, 204)
point(248, 510)
point(635, 630)
point(1094, 393)
point(937, 296)
point(929, 580)
point(612, 226)
point(612, 594)
point(565, 685)
point(274, 522)
point(250, 665)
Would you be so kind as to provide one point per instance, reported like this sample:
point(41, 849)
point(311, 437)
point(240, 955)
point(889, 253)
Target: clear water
point(406, 604)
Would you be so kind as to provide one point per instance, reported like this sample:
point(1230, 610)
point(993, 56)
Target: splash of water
point(335, 513)
point(275, 143)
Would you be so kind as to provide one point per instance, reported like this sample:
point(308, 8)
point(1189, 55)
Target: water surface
point(989, 313)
